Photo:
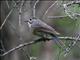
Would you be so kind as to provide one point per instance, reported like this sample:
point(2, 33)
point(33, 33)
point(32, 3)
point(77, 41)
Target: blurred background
point(15, 31)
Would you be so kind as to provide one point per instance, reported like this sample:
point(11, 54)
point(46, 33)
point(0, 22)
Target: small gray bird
point(41, 26)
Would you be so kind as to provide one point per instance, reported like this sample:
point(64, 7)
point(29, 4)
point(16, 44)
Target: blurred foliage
point(75, 8)
point(35, 49)
point(76, 52)
point(67, 25)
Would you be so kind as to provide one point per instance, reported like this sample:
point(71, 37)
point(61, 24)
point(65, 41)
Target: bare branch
point(77, 14)
point(36, 41)
point(20, 15)
point(13, 49)
point(7, 4)
point(34, 8)
point(73, 2)
point(7, 17)
point(73, 44)
point(67, 10)
point(20, 12)
point(76, 40)
point(54, 17)
point(2, 45)
point(50, 7)
point(21, 45)
point(69, 38)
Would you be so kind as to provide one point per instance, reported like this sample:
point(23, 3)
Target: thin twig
point(50, 7)
point(20, 18)
point(33, 42)
point(7, 17)
point(14, 2)
point(20, 12)
point(77, 14)
point(67, 10)
point(69, 38)
point(13, 49)
point(76, 40)
point(73, 2)
point(7, 3)
point(54, 17)
point(20, 46)
point(34, 10)
point(72, 45)
point(2, 45)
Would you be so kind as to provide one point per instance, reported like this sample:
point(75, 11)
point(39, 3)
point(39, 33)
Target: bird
point(39, 25)
point(42, 27)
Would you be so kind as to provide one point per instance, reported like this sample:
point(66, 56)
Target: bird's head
point(30, 21)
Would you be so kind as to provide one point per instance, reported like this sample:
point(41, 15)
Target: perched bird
point(42, 27)
point(39, 25)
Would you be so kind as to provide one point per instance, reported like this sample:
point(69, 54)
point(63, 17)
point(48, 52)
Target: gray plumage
point(38, 24)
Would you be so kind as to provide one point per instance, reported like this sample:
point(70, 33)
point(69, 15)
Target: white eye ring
point(29, 25)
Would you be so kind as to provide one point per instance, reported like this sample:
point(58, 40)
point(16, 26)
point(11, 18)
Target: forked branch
point(36, 41)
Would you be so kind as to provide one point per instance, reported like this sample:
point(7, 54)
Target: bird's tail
point(58, 41)
point(60, 44)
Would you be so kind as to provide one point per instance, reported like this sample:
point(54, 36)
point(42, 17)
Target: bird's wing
point(47, 27)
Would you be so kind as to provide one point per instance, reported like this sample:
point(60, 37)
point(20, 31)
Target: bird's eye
point(30, 19)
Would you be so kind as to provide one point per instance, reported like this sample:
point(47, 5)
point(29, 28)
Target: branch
point(77, 14)
point(34, 8)
point(22, 45)
point(69, 38)
point(2, 45)
point(35, 41)
point(71, 45)
point(7, 4)
point(73, 2)
point(20, 12)
point(7, 17)
point(20, 15)
point(78, 37)
point(54, 17)
point(67, 10)
point(13, 49)
point(50, 7)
